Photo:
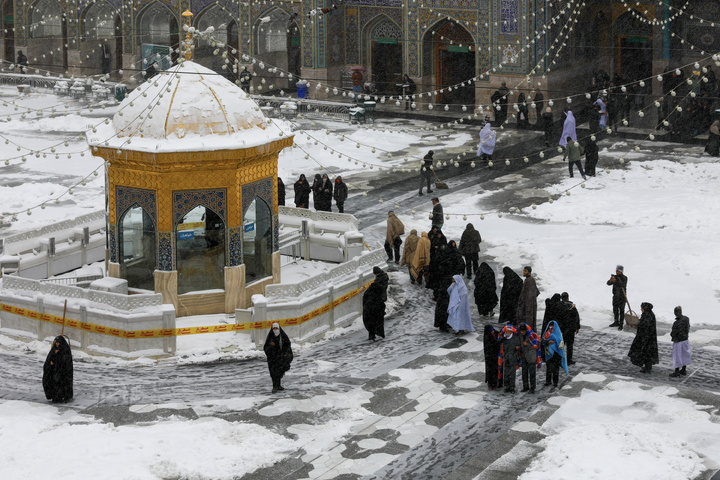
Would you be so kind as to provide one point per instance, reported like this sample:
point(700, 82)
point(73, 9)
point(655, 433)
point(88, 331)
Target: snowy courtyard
point(412, 405)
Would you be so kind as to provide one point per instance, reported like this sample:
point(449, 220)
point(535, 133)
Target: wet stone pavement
point(421, 408)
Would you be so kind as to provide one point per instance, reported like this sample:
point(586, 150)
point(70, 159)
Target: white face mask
point(276, 332)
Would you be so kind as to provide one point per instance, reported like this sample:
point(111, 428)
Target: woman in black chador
point(512, 286)
point(491, 345)
point(58, 372)
point(302, 192)
point(279, 355)
point(644, 349)
point(486, 297)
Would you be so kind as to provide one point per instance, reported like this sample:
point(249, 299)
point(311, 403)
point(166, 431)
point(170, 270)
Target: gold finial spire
point(188, 40)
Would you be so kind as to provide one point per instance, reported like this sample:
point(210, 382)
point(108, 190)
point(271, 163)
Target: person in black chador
point(317, 183)
point(644, 349)
point(509, 295)
point(553, 310)
point(281, 192)
point(591, 157)
point(340, 194)
point(486, 297)
point(443, 276)
point(619, 292)
point(22, 61)
point(279, 355)
point(569, 325)
point(374, 300)
point(547, 122)
point(470, 248)
point(437, 241)
point(491, 348)
point(455, 259)
point(302, 192)
point(426, 172)
point(325, 195)
point(539, 102)
point(500, 103)
point(58, 372)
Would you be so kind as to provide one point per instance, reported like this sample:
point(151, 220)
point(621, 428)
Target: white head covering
point(276, 332)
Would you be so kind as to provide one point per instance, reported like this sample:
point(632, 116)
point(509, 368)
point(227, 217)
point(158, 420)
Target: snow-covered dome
point(187, 108)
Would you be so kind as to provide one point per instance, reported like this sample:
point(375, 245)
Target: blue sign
point(249, 227)
point(186, 235)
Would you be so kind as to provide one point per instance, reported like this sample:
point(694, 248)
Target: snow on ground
point(626, 430)
point(656, 216)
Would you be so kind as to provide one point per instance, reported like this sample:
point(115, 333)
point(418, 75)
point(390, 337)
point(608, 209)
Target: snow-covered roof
point(187, 108)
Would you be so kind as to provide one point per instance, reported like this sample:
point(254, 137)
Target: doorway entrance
point(454, 64)
point(635, 59)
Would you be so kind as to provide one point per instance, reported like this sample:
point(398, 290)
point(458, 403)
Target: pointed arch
point(449, 53)
point(382, 52)
point(221, 39)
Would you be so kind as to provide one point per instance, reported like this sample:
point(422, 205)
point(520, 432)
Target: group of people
point(323, 192)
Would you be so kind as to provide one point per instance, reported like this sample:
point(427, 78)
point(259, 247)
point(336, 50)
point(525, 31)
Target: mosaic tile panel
point(540, 43)
point(235, 251)
point(276, 232)
point(72, 24)
point(263, 189)
point(244, 30)
point(352, 36)
point(165, 249)
point(336, 39)
point(509, 17)
point(308, 35)
point(112, 240)
point(126, 197)
point(413, 44)
point(185, 201)
point(321, 41)
point(484, 44)
point(21, 14)
point(375, 3)
point(127, 28)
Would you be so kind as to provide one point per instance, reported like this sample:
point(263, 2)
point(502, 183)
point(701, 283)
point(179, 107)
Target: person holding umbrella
point(357, 80)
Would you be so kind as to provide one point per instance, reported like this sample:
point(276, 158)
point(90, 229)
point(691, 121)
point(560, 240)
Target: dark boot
point(682, 370)
point(676, 373)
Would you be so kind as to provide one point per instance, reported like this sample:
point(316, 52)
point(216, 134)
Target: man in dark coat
point(619, 293)
point(57, 378)
point(569, 325)
point(325, 195)
point(279, 355)
point(426, 172)
point(591, 157)
point(527, 302)
point(281, 192)
point(22, 61)
point(486, 297)
point(340, 194)
point(437, 213)
point(680, 335)
point(374, 300)
point(302, 192)
point(470, 248)
point(245, 78)
point(512, 286)
point(644, 349)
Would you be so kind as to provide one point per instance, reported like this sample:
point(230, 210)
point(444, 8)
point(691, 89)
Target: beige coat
point(410, 246)
point(421, 258)
point(395, 228)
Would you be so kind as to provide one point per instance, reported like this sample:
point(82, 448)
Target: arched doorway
point(271, 41)
point(634, 46)
point(257, 241)
point(454, 52)
point(200, 245)
point(158, 35)
point(8, 13)
point(386, 56)
point(218, 18)
point(98, 43)
point(293, 49)
point(137, 255)
point(48, 35)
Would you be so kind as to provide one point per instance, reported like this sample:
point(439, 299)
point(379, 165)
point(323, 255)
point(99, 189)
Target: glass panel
point(257, 241)
point(46, 19)
point(100, 21)
point(137, 248)
point(200, 238)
